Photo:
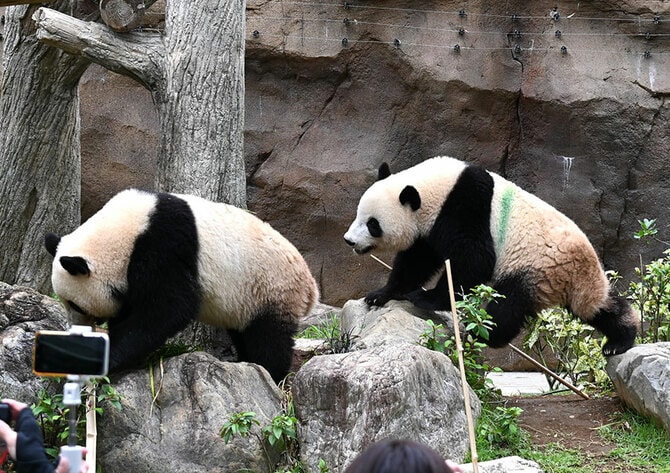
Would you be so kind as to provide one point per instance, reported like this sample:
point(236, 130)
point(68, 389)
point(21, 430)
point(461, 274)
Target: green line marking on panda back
point(505, 210)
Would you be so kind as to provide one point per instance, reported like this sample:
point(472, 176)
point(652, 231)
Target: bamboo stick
point(461, 368)
point(549, 372)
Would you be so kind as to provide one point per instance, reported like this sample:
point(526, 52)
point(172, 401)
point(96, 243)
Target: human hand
point(455, 467)
point(15, 407)
point(7, 434)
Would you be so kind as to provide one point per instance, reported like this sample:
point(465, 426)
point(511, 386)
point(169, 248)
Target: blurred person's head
point(398, 456)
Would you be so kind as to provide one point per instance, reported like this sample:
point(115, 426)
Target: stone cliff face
point(334, 89)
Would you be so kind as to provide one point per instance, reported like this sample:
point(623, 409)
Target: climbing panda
point(493, 232)
point(153, 262)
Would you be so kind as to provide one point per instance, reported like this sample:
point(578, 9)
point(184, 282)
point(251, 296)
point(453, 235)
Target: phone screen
point(63, 353)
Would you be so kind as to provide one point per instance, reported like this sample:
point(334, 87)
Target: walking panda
point(153, 262)
point(493, 232)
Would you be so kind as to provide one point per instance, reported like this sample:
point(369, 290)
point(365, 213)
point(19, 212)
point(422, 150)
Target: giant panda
point(153, 262)
point(493, 232)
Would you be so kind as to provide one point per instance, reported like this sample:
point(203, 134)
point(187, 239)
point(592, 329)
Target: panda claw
point(612, 350)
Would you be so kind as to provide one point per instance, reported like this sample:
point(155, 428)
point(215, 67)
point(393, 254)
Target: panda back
point(245, 266)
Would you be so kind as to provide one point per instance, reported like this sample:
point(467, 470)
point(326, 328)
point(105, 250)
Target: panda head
point(388, 216)
point(75, 280)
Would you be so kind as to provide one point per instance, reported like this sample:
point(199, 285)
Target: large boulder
point(23, 312)
point(642, 380)
point(388, 387)
point(172, 421)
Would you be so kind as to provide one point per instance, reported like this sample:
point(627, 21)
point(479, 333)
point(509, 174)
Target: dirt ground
point(568, 420)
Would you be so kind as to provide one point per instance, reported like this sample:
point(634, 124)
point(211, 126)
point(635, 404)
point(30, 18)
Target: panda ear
point(410, 195)
point(75, 265)
point(383, 172)
point(51, 241)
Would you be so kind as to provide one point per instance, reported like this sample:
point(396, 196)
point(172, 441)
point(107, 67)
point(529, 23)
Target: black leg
point(411, 269)
point(618, 324)
point(511, 312)
point(267, 341)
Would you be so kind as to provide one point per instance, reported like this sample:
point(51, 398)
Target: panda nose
point(349, 242)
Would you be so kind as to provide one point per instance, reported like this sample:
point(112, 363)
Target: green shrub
point(574, 345)
point(53, 415)
point(477, 324)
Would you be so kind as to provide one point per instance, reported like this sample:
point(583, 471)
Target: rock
point(642, 380)
point(347, 401)
point(320, 315)
point(179, 431)
point(22, 313)
point(505, 465)
point(395, 322)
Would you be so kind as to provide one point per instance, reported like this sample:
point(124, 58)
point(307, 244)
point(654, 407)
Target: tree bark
point(39, 149)
point(195, 72)
point(202, 104)
point(122, 15)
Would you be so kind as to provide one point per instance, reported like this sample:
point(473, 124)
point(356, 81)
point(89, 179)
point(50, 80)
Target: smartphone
point(67, 353)
point(5, 413)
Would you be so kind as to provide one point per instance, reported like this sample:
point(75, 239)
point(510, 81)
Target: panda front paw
point(614, 348)
point(377, 298)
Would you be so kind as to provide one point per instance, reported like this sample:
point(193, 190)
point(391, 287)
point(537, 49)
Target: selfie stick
point(72, 399)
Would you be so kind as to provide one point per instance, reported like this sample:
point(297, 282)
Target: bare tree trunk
point(39, 149)
point(195, 72)
point(202, 105)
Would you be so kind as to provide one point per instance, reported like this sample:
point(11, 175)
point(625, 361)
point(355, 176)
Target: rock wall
point(586, 128)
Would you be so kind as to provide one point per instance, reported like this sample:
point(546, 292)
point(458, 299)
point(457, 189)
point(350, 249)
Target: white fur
point(105, 241)
point(244, 264)
point(433, 179)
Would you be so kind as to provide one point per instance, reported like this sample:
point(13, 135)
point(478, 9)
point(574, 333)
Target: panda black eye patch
point(374, 228)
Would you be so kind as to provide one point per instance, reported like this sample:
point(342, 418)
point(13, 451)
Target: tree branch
point(136, 55)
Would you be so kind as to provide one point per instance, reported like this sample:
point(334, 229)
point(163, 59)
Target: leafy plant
point(280, 432)
point(647, 229)
point(498, 427)
point(574, 345)
point(53, 415)
point(240, 424)
point(651, 296)
point(498, 431)
point(477, 324)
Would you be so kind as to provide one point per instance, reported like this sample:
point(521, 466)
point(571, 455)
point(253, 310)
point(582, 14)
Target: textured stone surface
point(642, 380)
point(397, 321)
point(587, 131)
point(22, 313)
point(347, 401)
point(505, 465)
point(179, 430)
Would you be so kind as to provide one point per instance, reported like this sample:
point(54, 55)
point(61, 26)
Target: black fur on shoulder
point(163, 294)
point(461, 234)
